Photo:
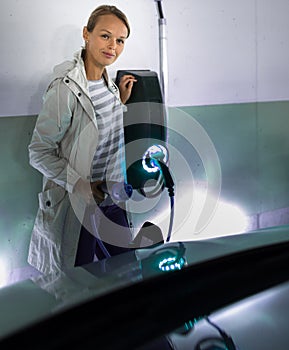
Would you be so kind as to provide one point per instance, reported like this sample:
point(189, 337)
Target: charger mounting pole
point(163, 69)
point(163, 60)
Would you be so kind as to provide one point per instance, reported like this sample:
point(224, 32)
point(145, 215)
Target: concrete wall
point(219, 52)
point(251, 141)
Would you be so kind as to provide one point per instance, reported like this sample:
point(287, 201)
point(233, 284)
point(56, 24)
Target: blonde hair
point(106, 10)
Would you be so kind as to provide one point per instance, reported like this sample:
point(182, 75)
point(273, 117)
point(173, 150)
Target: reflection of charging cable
point(155, 159)
point(224, 343)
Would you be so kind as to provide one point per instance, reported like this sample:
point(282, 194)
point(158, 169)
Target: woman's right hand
point(97, 193)
point(82, 189)
point(89, 191)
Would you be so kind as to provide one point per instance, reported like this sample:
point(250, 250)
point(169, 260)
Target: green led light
point(171, 264)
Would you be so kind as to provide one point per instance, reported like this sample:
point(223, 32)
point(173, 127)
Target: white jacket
point(62, 147)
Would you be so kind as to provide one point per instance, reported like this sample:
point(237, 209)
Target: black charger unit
point(144, 123)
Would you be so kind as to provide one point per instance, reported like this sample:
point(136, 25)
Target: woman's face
point(106, 42)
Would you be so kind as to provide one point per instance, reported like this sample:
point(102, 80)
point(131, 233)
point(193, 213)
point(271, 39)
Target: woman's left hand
point(125, 87)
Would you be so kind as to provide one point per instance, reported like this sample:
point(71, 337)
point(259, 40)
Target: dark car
point(228, 292)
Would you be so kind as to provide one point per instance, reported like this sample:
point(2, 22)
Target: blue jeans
point(100, 243)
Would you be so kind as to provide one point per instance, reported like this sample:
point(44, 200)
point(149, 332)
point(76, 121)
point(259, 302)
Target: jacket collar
point(75, 71)
point(80, 74)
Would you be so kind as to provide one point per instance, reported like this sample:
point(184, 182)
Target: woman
point(77, 144)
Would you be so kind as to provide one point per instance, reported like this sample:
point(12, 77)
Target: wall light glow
point(3, 273)
point(228, 218)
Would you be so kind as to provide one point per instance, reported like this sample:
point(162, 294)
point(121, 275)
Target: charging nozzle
point(152, 156)
point(156, 159)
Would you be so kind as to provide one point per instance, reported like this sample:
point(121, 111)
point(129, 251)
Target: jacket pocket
point(50, 198)
point(53, 205)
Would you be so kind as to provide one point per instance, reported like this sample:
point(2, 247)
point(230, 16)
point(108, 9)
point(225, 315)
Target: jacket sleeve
point(52, 124)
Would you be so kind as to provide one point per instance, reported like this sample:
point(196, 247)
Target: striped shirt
point(109, 160)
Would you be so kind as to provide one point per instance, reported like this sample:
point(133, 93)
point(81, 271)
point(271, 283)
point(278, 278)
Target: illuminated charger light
point(151, 157)
point(170, 258)
point(171, 264)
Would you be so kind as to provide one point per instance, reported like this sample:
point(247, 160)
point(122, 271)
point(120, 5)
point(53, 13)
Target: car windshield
point(165, 294)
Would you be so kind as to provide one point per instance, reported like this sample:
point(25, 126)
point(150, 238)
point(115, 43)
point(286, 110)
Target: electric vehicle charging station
point(145, 129)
